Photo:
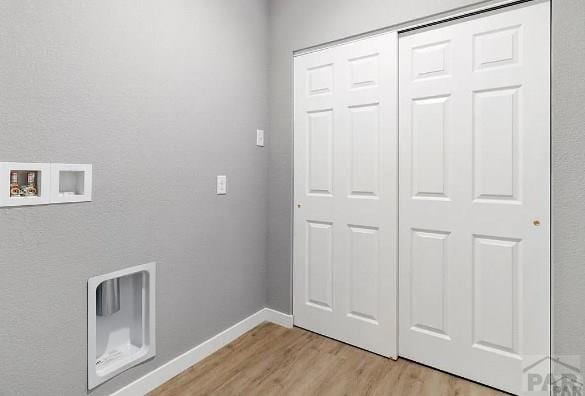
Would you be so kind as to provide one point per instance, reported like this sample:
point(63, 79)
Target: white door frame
point(431, 20)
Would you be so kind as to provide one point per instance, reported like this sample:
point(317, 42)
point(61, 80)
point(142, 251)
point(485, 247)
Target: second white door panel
point(474, 194)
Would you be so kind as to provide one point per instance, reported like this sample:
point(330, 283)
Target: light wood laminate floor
point(273, 360)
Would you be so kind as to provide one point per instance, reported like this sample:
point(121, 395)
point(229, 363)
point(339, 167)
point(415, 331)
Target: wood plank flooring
point(273, 360)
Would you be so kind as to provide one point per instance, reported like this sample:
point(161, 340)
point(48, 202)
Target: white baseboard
point(278, 317)
point(179, 364)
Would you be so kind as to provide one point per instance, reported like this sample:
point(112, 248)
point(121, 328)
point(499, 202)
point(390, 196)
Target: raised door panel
point(365, 146)
point(320, 156)
point(364, 71)
point(429, 147)
point(431, 60)
point(320, 80)
point(496, 48)
point(428, 282)
point(496, 294)
point(319, 260)
point(496, 144)
point(364, 273)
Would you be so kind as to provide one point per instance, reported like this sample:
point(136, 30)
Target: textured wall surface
point(161, 96)
point(568, 177)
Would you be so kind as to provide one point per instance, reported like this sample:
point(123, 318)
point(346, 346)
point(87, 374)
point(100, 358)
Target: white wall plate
point(260, 137)
point(43, 180)
point(71, 183)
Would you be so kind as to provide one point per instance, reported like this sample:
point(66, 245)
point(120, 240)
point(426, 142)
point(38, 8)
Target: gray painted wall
point(161, 96)
point(568, 177)
point(303, 23)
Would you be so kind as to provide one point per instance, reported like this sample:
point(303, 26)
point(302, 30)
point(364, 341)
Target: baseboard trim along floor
point(182, 362)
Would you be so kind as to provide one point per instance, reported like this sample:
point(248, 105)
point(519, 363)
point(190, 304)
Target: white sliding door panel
point(345, 223)
point(474, 199)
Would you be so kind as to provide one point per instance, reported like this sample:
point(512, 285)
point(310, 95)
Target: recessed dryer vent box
point(23, 184)
point(121, 322)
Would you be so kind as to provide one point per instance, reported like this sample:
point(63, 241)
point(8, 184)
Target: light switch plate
point(259, 138)
point(221, 184)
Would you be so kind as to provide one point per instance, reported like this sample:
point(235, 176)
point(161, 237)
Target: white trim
point(182, 362)
point(278, 317)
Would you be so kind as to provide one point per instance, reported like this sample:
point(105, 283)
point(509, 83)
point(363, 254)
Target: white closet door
point(345, 230)
point(474, 194)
